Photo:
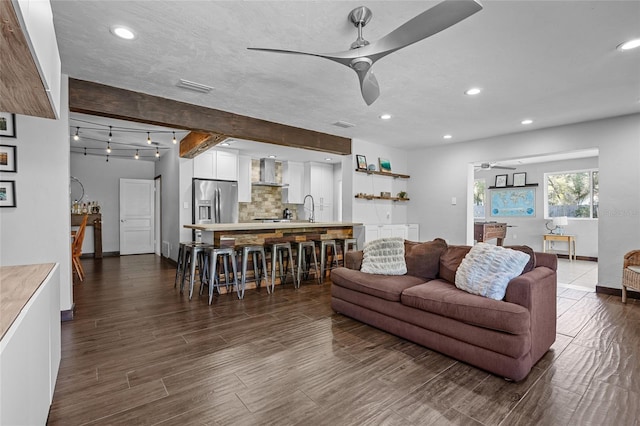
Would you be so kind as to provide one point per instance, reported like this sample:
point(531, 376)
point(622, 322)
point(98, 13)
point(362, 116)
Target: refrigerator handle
point(218, 212)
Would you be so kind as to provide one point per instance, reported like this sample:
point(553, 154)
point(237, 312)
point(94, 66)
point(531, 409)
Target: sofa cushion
point(443, 298)
point(383, 286)
point(384, 256)
point(487, 269)
point(450, 260)
point(423, 259)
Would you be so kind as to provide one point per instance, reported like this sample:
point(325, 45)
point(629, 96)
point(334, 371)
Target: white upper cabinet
point(214, 164)
point(244, 179)
point(293, 177)
point(319, 183)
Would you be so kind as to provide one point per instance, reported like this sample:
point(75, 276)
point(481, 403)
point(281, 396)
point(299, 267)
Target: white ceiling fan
point(489, 166)
point(363, 54)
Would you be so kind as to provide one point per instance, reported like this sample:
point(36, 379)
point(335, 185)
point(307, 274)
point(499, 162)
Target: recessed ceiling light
point(225, 144)
point(327, 159)
point(385, 116)
point(628, 45)
point(272, 156)
point(527, 121)
point(123, 32)
point(447, 136)
point(473, 91)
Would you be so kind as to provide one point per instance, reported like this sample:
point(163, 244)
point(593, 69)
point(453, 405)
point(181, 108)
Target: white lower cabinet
point(408, 232)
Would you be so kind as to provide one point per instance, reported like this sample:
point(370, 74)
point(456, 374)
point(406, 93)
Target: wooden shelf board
point(511, 186)
point(389, 174)
point(377, 197)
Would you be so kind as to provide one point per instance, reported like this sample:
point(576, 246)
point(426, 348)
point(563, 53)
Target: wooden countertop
point(259, 226)
point(17, 285)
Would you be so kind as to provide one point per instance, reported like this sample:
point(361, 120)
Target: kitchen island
point(256, 233)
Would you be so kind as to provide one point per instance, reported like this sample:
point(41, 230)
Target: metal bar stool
point(277, 261)
point(307, 251)
point(191, 253)
point(211, 255)
point(347, 244)
point(181, 262)
point(256, 251)
point(324, 254)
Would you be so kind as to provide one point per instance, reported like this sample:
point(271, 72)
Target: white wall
point(377, 211)
point(38, 229)
point(528, 230)
point(438, 173)
point(168, 169)
point(101, 181)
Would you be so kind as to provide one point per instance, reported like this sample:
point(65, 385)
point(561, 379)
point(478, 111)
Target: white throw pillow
point(384, 256)
point(487, 269)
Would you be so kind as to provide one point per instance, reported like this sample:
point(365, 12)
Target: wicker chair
point(630, 273)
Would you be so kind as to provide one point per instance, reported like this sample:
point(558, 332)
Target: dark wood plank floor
point(139, 352)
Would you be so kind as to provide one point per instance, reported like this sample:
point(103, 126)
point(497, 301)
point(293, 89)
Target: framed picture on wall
point(7, 193)
point(8, 162)
point(520, 179)
point(7, 125)
point(361, 160)
point(385, 165)
point(501, 181)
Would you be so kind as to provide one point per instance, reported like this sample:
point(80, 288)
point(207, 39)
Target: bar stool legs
point(306, 252)
point(347, 244)
point(255, 251)
point(324, 244)
point(277, 250)
point(213, 254)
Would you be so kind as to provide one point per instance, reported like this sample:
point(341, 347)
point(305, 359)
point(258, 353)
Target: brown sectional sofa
point(506, 337)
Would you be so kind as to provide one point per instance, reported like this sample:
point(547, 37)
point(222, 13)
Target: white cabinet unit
point(413, 232)
point(319, 183)
point(408, 232)
point(215, 164)
point(244, 179)
point(293, 177)
point(30, 350)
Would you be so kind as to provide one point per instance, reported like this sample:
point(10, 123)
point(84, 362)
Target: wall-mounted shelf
point(529, 185)
point(377, 197)
point(389, 174)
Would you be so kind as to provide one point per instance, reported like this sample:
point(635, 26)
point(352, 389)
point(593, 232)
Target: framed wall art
point(512, 202)
point(8, 159)
point(361, 160)
point(501, 181)
point(385, 165)
point(7, 125)
point(520, 179)
point(7, 193)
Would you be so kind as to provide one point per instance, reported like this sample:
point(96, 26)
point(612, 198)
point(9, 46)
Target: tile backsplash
point(266, 201)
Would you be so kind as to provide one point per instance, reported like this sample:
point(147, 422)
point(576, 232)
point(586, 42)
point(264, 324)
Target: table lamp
point(559, 222)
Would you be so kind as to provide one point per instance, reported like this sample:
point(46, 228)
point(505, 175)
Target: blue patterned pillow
point(487, 269)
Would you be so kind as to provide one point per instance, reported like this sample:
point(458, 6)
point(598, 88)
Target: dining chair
point(76, 248)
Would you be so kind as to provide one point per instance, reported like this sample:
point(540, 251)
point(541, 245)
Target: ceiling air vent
point(343, 124)
point(192, 85)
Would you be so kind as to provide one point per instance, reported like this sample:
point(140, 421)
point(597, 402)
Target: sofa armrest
point(536, 290)
point(353, 259)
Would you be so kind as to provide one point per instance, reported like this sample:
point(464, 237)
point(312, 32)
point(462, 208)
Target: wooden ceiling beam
point(106, 101)
point(197, 142)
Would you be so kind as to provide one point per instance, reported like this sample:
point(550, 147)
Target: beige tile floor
point(578, 274)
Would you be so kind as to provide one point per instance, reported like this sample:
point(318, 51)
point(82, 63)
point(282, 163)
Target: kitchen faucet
point(312, 218)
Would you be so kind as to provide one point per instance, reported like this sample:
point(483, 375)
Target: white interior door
point(137, 216)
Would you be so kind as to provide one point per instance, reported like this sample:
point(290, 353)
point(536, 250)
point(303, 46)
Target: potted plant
point(402, 194)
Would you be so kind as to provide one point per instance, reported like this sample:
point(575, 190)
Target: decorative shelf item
point(377, 197)
point(393, 175)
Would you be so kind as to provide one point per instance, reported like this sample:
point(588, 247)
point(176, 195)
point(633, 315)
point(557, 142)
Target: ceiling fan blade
point(369, 86)
point(343, 58)
point(432, 21)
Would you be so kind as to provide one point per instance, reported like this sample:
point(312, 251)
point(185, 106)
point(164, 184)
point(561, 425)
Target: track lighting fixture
point(157, 153)
point(175, 141)
point(110, 135)
point(136, 156)
point(148, 138)
point(85, 151)
point(77, 136)
point(108, 147)
point(107, 158)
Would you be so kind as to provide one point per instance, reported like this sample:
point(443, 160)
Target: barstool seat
point(256, 251)
point(305, 253)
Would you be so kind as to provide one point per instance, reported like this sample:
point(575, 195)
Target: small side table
point(569, 239)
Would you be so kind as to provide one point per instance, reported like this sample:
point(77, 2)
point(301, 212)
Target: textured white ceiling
point(552, 61)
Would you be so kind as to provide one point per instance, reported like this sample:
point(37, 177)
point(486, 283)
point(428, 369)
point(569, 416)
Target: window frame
point(566, 172)
point(484, 199)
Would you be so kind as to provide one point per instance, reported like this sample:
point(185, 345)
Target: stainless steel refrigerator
point(214, 201)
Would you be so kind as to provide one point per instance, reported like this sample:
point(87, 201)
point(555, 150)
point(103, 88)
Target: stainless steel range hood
point(268, 173)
